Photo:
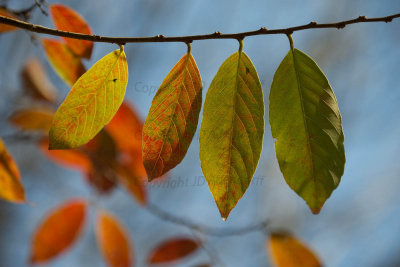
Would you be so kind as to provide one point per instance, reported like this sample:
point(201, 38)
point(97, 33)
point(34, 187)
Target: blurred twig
point(206, 230)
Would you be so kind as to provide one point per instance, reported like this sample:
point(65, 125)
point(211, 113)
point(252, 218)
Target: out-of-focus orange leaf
point(11, 188)
point(58, 231)
point(113, 241)
point(33, 119)
point(132, 183)
point(126, 130)
point(172, 250)
point(102, 180)
point(103, 153)
point(67, 65)
point(287, 251)
point(67, 19)
point(72, 158)
point(36, 81)
point(4, 27)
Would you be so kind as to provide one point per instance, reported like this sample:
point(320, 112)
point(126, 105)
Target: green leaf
point(173, 117)
point(306, 122)
point(93, 101)
point(232, 131)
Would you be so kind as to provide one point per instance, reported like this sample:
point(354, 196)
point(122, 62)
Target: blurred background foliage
point(359, 224)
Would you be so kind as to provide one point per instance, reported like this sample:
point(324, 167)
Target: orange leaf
point(68, 66)
point(287, 251)
point(126, 130)
point(67, 19)
point(172, 121)
point(4, 27)
point(172, 250)
point(58, 231)
point(67, 158)
point(36, 81)
point(113, 241)
point(33, 119)
point(11, 188)
point(133, 183)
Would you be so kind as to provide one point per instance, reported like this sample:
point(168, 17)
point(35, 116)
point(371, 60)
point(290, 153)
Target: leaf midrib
point(304, 122)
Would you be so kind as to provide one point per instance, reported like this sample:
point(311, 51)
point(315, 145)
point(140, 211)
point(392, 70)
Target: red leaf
point(172, 250)
point(68, 66)
point(67, 19)
point(113, 241)
point(58, 231)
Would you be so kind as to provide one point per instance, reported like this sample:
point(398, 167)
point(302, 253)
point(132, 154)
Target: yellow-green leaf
point(307, 124)
point(93, 101)
point(11, 188)
point(173, 117)
point(232, 131)
point(287, 251)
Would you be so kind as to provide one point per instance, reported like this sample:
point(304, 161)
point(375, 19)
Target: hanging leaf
point(72, 158)
point(67, 19)
point(126, 130)
point(232, 131)
point(286, 251)
point(68, 66)
point(58, 231)
point(4, 27)
point(305, 120)
point(33, 119)
point(172, 250)
point(11, 188)
point(93, 101)
point(113, 241)
point(173, 117)
point(36, 81)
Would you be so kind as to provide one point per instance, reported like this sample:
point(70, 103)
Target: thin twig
point(186, 39)
point(206, 230)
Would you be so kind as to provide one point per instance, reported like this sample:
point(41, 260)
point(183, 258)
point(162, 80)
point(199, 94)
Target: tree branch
point(187, 39)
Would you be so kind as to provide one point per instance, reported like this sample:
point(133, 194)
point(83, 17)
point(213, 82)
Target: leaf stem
point(289, 36)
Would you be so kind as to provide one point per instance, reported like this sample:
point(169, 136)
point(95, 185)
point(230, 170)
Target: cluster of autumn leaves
point(99, 134)
point(303, 115)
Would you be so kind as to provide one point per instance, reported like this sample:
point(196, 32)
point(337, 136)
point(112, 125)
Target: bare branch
point(187, 39)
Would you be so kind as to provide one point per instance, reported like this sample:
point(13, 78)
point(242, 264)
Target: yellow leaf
point(93, 101)
point(287, 251)
point(11, 188)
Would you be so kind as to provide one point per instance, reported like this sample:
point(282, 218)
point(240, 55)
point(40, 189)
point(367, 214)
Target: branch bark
point(190, 38)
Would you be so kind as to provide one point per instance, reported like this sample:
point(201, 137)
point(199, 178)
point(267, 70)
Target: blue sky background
point(359, 224)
